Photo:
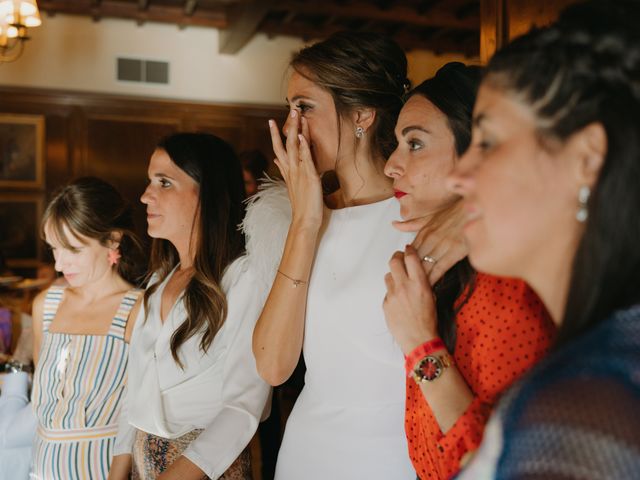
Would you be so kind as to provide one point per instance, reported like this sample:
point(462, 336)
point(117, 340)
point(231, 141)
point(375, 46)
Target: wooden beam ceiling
point(213, 18)
point(366, 10)
point(438, 25)
point(243, 21)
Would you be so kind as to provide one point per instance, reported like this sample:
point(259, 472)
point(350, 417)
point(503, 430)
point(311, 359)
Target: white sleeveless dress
point(348, 422)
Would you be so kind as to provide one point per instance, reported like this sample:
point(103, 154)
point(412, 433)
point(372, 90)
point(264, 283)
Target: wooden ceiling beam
point(408, 41)
point(153, 12)
point(190, 7)
point(243, 21)
point(273, 29)
point(401, 14)
point(289, 17)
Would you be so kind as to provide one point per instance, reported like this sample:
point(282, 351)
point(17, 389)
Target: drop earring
point(359, 132)
point(583, 198)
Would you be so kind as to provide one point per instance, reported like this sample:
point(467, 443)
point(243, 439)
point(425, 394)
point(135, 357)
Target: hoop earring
point(583, 198)
point(359, 132)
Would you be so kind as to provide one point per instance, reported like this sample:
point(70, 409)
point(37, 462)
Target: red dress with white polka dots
point(502, 331)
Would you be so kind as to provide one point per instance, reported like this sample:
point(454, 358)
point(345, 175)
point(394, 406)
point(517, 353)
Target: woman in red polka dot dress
point(481, 332)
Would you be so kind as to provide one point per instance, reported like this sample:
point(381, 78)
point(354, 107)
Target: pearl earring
point(583, 198)
point(359, 132)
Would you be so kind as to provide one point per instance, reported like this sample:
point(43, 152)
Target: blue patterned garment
point(577, 415)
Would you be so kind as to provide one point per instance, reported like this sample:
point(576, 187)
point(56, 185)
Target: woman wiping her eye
point(344, 94)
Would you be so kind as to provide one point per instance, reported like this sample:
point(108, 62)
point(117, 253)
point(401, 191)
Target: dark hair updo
point(453, 91)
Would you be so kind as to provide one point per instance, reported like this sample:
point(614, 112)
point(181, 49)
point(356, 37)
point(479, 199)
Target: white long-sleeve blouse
point(219, 391)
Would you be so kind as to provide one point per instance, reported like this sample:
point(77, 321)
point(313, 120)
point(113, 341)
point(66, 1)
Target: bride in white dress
point(344, 95)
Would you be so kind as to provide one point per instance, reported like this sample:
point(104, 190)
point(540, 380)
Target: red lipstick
point(399, 194)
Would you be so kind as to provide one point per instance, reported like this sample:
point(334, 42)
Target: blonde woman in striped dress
point(82, 331)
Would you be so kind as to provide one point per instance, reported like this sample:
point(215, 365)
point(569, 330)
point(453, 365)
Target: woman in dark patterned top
point(551, 188)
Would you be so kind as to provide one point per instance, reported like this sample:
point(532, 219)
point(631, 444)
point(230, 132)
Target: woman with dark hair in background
point(194, 398)
point(344, 95)
point(81, 331)
point(254, 167)
point(482, 332)
point(550, 188)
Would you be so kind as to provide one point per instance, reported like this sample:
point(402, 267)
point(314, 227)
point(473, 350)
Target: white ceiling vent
point(143, 71)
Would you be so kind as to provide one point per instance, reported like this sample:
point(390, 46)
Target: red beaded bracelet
point(421, 351)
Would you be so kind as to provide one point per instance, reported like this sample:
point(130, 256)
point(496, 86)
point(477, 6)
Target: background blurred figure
point(254, 167)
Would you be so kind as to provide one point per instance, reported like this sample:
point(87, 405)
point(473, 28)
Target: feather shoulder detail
point(265, 225)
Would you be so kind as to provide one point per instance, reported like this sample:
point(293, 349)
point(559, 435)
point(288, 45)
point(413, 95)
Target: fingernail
point(294, 113)
point(301, 137)
point(271, 123)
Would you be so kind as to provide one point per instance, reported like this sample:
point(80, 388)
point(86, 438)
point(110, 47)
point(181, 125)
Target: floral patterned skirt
point(152, 455)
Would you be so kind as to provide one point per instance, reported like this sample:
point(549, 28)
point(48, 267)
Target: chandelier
point(16, 16)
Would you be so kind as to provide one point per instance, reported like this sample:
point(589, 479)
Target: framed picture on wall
point(20, 215)
point(21, 151)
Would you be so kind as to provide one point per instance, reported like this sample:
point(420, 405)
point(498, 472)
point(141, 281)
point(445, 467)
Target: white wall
point(76, 53)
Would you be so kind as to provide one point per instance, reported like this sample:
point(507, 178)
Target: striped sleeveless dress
point(77, 392)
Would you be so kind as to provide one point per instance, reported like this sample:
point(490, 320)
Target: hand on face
point(409, 305)
point(298, 170)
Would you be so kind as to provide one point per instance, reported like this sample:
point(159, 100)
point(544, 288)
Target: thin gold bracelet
point(295, 281)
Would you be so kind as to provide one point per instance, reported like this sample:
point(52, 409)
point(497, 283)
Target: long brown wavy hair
point(212, 163)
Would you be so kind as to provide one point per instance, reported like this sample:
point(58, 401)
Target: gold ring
point(429, 259)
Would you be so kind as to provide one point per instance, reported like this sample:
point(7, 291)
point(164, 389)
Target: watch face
point(429, 368)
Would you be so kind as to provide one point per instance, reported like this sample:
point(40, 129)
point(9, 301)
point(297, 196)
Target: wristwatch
point(431, 367)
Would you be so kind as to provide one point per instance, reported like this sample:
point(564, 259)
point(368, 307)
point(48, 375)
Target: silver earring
point(359, 132)
point(583, 198)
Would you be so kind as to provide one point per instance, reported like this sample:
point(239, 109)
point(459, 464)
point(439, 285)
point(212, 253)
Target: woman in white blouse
point(194, 396)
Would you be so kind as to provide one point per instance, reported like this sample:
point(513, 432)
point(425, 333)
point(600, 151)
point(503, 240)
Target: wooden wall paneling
point(59, 142)
point(258, 136)
point(503, 20)
point(492, 28)
point(524, 14)
point(228, 127)
point(57, 157)
point(112, 137)
point(118, 151)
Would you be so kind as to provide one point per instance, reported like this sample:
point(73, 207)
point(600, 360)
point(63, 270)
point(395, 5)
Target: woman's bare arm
point(279, 331)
